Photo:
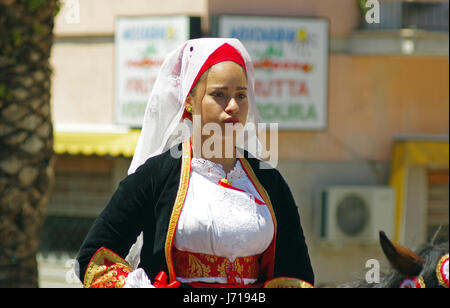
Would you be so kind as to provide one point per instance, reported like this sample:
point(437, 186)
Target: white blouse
point(220, 221)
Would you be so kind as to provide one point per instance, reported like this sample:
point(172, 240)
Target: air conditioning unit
point(355, 214)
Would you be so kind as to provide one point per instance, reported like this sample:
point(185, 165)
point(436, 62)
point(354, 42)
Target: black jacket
point(144, 201)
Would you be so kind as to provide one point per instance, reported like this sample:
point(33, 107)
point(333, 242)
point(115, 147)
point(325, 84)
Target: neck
point(227, 163)
point(217, 151)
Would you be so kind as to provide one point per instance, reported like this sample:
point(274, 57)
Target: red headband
point(225, 52)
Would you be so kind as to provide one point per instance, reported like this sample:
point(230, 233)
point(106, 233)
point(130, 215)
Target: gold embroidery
point(179, 202)
point(195, 265)
point(211, 258)
point(223, 268)
point(269, 255)
point(262, 191)
point(197, 268)
point(246, 259)
point(287, 282)
point(238, 267)
point(441, 273)
point(99, 274)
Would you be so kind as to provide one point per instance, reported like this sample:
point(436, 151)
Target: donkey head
point(402, 259)
point(426, 268)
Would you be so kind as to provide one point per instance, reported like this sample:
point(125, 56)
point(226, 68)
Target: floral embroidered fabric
point(106, 270)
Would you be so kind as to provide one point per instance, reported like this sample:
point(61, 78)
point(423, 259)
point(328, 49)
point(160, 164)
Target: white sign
point(290, 57)
point(141, 44)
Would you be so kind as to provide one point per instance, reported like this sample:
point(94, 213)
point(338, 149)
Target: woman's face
point(221, 97)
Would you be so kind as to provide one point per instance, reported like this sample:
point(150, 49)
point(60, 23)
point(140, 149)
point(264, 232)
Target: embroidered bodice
point(220, 221)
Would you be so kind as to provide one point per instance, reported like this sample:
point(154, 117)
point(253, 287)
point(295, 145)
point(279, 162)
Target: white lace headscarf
point(163, 126)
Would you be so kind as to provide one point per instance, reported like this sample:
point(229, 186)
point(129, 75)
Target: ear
point(188, 101)
point(402, 259)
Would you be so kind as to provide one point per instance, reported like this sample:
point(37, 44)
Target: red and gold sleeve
point(106, 270)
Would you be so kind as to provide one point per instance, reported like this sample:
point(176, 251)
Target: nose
point(232, 107)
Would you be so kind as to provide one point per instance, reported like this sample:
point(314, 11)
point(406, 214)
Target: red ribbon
point(231, 277)
point(161, 281)
point(222, 183)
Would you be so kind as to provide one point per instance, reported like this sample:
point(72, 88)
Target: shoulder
point(276, 187)
point(157, 167)
point(163, 161)
point(266, 174)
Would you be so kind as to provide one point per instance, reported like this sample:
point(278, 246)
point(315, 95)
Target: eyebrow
point(226, 88)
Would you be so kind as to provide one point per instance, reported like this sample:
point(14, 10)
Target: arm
point(291, 256)
point(118, 225)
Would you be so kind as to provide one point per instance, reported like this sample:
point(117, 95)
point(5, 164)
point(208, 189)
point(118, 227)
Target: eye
point(242, 96)
point(218, 94)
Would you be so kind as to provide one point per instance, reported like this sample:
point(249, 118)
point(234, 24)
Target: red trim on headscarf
point(186, 115)
point(225, 52)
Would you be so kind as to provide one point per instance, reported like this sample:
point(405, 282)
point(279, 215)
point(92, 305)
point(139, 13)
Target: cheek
point(210, 110)
point(244, 111)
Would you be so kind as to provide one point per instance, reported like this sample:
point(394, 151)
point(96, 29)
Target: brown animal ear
point(402, 259)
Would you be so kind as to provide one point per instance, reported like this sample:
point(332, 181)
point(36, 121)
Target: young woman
point(202, 214)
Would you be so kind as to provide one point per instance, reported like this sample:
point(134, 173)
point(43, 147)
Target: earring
point(189, 109)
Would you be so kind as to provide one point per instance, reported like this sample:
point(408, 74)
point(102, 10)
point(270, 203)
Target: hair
point(200, 80)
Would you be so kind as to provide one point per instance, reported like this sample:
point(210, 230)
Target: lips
point(231, 120)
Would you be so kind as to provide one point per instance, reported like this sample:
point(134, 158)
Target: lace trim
point(215, 171)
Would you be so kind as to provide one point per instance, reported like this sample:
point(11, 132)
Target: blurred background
point(360, 90)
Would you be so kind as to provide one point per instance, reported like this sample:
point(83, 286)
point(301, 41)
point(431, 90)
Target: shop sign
point(290, 57)
point(141, 44)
